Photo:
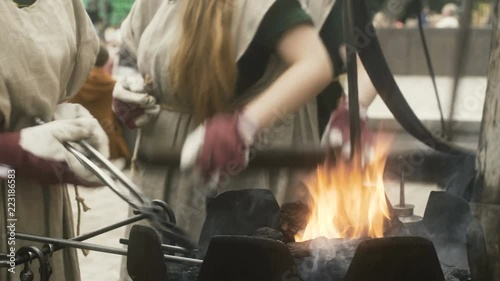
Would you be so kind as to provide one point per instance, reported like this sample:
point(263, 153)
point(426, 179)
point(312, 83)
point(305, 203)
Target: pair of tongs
point(154, 210)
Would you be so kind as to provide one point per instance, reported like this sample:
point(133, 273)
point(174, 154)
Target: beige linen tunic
point(46, 52)
point(150, 32)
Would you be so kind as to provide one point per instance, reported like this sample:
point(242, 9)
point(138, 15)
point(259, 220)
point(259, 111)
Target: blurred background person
point(449, 18)
point(99, 12)
point(381, 20)
point(96, 96)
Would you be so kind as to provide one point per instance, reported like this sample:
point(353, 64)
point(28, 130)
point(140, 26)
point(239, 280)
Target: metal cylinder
point(404, 211)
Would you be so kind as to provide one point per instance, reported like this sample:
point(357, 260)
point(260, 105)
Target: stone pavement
point(106, 208)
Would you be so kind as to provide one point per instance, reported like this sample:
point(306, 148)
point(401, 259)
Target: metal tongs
point(157, 212)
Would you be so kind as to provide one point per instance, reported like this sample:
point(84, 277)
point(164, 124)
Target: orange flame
point(348, 201)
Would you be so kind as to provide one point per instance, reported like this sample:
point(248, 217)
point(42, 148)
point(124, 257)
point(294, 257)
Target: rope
point(80, 202)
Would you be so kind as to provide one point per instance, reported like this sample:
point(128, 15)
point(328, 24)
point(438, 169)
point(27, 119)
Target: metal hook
point(29, 250)
point(51, 250)
point(26, 274)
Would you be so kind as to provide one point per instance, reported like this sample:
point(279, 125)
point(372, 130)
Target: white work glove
point(132, 105)
point(69, 111)
point(38, 153)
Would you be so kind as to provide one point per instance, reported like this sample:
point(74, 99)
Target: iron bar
point(63, 243)
point(98, 248)
point(259, 158)
point(104, 177)
point(115, 171)
point(401, 183)
point(108, 228)
point(176, 249)
point(20, 260)
point(461, 55)
point(352, 75)
point(430, 67)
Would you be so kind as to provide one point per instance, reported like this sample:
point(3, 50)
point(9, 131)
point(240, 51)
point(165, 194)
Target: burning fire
point(348, 201)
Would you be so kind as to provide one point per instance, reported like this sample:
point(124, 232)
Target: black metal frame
point(54, 244)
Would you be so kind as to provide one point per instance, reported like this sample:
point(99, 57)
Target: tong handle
point(105, 178)
point(145, 207)
point(115, 171)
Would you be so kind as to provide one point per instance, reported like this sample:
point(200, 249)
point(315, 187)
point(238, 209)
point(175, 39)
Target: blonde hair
point(203, 71)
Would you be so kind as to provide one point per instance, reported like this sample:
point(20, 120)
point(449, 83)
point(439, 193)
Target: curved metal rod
point(98, 248)
point(461, 52)
point(145, 206)
point(105, 178)
point(152, 213)
point(44, 270)
point(48, 250)
point(165, 247)
point(115, 171)
point(173, 232)
point(380, 74)
point(168, 210)
point(430, 67)
point(148, 207)
point(101, 175)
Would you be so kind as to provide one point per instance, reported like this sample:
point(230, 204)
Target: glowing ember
point(347, 201)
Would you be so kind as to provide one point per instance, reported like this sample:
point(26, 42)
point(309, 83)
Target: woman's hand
point(68, 111)
point(38, 153)
point(220, 144)
point(132, 105)
point(338, 133)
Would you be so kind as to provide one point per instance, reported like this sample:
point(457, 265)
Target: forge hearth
point(393, 258)
point(399, 256)
point(238, 258)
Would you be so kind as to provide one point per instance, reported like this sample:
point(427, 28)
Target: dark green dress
point(284, 15)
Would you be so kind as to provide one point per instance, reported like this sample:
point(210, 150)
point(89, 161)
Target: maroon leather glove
point(337, 133)
point(132, 105)
point(127, 112)
point(221, 144)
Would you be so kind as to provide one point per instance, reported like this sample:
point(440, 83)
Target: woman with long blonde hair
point(220, 75)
